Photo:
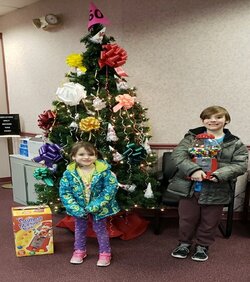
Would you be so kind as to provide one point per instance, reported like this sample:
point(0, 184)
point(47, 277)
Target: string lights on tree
point(96, 104)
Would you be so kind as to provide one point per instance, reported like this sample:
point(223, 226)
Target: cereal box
point(32, 226)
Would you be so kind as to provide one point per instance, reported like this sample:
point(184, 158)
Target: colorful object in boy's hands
point(204, 152)
point(205, 145)
point(204, 136)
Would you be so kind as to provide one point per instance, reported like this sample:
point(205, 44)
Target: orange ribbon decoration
point(125, 101)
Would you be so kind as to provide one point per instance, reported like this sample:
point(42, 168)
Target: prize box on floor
point(33, 234)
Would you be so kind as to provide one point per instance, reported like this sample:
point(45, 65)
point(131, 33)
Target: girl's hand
point(198, 175)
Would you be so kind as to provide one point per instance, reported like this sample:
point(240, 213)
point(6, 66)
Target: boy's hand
point(214, 179)
point(198, 175)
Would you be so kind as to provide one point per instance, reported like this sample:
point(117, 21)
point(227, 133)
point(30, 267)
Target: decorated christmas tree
point(97, 105)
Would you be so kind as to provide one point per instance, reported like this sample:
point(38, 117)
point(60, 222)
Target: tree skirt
point(125, 225)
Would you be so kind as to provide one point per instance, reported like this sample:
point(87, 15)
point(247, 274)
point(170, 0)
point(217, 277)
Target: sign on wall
point(9, 125)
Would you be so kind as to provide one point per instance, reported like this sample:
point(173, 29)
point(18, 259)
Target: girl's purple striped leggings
point(100, 228)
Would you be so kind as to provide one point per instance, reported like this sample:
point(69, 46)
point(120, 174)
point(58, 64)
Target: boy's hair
point(213, 110)
point(90, 148)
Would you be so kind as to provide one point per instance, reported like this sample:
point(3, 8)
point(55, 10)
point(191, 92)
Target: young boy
point(200, 212)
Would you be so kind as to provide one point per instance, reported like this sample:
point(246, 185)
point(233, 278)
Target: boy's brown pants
point(198, 221)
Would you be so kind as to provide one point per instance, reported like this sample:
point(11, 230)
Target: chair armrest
point(159, 176)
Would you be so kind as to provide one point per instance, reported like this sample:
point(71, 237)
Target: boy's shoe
point(104, 259)
point(78, 257)
point(181, 251)
point(200, 253)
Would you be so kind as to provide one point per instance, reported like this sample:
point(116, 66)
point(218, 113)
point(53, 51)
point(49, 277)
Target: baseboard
point(5, 180)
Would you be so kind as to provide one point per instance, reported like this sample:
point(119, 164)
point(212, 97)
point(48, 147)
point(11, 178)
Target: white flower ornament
point(71, 93)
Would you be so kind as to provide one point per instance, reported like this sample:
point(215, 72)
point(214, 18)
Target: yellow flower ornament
point(75, 60)
point(89, 123)
point(82, 69)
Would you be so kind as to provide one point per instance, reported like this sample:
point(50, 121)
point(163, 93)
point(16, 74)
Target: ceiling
point(7, 6)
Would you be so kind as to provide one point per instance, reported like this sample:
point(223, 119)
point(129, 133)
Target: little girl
point(88, 188)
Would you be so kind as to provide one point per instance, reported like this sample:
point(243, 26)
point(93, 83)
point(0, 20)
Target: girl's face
point(84, 158)
point(215, 123)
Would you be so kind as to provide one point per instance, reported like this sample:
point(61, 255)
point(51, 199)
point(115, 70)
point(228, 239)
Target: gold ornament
point(89, 123)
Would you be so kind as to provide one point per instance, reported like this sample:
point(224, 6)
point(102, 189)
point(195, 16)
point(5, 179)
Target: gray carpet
point(146, 258)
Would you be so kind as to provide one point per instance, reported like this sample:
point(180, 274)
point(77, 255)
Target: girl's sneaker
point(78, 257)
point(104, 259)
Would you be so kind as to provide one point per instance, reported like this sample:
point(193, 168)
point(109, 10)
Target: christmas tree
point(97, 105)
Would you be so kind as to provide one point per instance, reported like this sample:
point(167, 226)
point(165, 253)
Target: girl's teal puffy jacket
point(104, 187)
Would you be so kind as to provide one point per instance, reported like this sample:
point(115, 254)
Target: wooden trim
point(28, 134)
point(171, 146)
point(162, 146)
point(5, 180)
point(5, 74)
point(156, 146)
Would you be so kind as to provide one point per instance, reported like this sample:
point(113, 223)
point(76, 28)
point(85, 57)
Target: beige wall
point(182, 56)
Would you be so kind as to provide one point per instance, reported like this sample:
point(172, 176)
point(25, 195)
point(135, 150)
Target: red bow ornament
point(113, 56)
point(46, 119)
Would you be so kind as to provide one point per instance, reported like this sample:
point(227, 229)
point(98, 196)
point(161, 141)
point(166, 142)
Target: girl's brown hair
point(90, 148)
point(213, 110)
